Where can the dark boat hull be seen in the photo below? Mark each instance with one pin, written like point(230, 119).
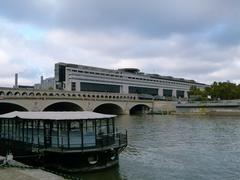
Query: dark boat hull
point(61, 160)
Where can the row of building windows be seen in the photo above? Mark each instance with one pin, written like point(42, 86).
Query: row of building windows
point(142, 90)
point(93, 87)
point(169, 93)
point(131, 77)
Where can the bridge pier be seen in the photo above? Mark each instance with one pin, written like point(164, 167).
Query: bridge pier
point(125, 112)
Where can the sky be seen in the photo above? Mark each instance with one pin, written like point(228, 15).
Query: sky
point(191, 39)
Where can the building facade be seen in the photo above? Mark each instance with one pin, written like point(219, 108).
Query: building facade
point(46, 84)
point(73, 77)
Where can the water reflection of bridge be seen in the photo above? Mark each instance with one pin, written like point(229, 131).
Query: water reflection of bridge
point(41, 100)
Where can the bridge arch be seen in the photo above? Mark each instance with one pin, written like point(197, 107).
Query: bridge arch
point(31, 94)
point(109, 108)
point(9, 93)
point(24, 94)
point(63, 106)
point(38, 94)
point(17, 93)
point(2, 93)
point(6, 107)
point(139, 109)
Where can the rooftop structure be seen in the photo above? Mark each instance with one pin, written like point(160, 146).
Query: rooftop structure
point(50, 115)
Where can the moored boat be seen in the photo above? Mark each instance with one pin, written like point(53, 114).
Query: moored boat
point(66, 141)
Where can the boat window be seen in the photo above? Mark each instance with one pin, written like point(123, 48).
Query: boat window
point(101, 127)
point(110, 125)
point(89, 133)
point(88, 127)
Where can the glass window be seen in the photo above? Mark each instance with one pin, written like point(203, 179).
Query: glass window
point(73, 86)
point(94, 87)
point(180, 94)
point(167, 92)
point(142, 90)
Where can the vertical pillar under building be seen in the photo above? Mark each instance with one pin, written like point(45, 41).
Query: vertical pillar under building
point(174, 93)
point(160, 91)
point(124, 89)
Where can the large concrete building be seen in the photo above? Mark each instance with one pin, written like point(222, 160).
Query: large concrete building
point(73, 77)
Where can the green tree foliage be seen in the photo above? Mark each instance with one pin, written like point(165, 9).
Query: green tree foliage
point(196, 94)
point(218, 90)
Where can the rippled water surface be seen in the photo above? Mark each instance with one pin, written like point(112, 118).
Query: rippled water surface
point(172, 147)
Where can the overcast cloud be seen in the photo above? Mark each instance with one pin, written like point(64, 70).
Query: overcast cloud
point(193, 39)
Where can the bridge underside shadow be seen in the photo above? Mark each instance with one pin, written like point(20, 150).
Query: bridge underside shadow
point(9, 107)
point(109, 109)
point(63, 106)
point(139, 109)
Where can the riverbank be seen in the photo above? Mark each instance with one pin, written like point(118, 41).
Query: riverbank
point(225, 112)
point(26, 174)
point(11, 169)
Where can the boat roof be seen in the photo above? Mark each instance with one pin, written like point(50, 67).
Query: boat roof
point(57, 115)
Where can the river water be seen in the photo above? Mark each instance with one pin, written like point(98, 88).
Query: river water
point(177, 148)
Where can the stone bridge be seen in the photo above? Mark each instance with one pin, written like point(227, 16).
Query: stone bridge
point(12, 99)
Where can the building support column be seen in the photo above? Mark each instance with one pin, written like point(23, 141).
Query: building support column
point(125, 89)
point(174, 93)
point(160, 91)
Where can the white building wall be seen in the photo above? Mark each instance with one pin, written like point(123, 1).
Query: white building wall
point(124, 79)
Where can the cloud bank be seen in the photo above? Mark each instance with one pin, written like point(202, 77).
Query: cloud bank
point(194, 39)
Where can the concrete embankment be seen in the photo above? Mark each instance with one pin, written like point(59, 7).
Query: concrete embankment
point(222, 108)
point(189, 113)
point(209, 113)
point(11, 169)
point(224, 113)
point(26, 174)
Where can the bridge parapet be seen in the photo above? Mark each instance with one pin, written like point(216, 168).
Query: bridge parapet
point(15, 93)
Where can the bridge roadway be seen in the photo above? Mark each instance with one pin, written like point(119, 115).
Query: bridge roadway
point(51, 100)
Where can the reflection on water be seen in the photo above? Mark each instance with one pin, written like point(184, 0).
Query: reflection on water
point(172, 147)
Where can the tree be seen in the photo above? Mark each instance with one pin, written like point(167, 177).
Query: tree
point(218, 90)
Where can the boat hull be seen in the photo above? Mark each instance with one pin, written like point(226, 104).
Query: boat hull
point(69, 161)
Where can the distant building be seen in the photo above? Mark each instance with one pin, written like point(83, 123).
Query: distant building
point(73, 77)
point(16, 81)
point(37, 86)
point(25, 87)
point(46, 84)
point(16, 85)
